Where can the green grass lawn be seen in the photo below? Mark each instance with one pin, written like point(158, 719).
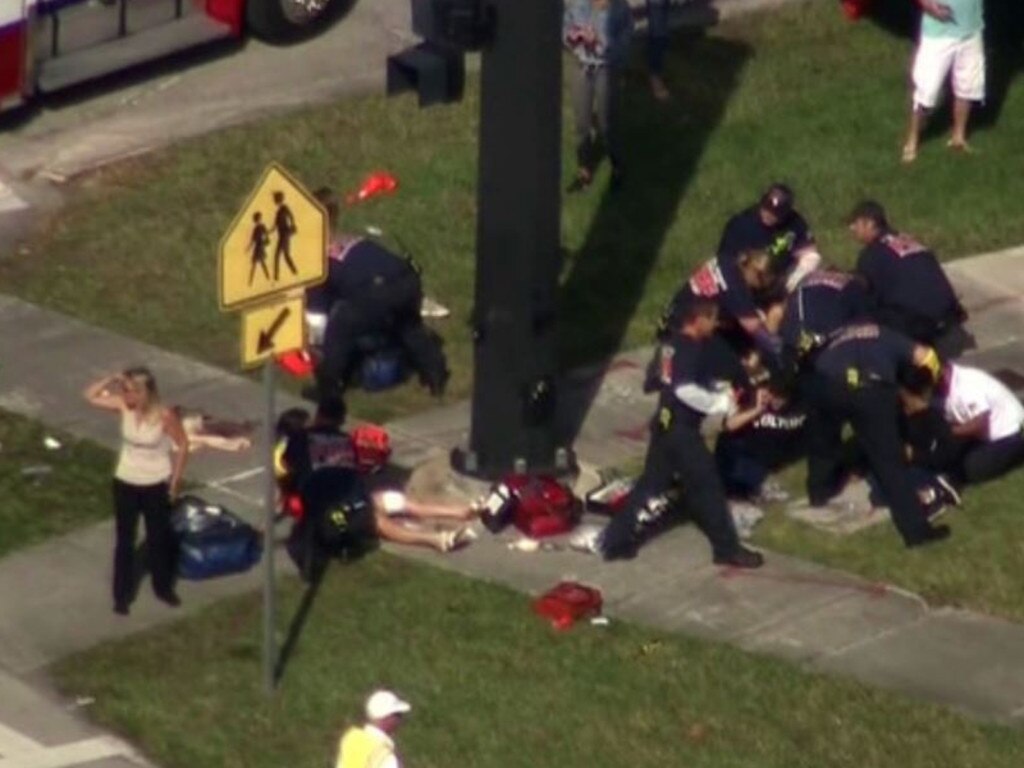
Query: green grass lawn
point(799, 94)
point(981, 567)
point(493, 685)
point(74, 490)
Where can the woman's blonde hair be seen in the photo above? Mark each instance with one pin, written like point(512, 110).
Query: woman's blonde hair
point(144, 378)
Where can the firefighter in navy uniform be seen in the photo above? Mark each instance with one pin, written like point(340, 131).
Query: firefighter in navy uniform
point(730, 284)
point(369, 290)
point(910, 291)
point(677, 456)
point(823, 302)
point(773, 225)
point(854, 380)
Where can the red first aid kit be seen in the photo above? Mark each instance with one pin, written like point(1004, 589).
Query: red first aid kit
point(538, 506)
point(297, 363)
point(568, 602)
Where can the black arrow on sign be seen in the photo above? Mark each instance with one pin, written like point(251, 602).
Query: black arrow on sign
point(266, 340)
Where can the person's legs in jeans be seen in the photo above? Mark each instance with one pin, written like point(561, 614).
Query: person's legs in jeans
point(605, 109)
point(126, 523)
point(657, 45)
point(583, 121)
point(741, 473)
point(156, 509)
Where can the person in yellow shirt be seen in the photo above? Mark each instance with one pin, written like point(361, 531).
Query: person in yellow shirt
point(371, 745)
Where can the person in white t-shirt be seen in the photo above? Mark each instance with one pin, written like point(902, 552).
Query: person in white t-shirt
point(981, 437)
point(983, 410)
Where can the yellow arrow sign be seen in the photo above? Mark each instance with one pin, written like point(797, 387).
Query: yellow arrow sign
point(273, 329)
point(277, 242)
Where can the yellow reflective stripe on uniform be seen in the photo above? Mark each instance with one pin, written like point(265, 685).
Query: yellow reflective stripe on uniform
point(665, 418)
point(280, 470)
point(932, 363)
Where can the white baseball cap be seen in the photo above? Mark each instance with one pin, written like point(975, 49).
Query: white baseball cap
point(383, 704)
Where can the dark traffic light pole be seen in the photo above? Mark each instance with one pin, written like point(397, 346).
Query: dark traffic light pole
point(518, 238)
point(519, 209)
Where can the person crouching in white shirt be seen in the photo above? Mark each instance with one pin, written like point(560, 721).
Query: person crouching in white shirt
point(983, 410)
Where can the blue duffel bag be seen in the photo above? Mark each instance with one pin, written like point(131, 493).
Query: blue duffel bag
point(213, 541)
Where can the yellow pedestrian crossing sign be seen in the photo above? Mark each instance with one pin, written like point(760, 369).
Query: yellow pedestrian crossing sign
point(272, 329)
point(277, 242)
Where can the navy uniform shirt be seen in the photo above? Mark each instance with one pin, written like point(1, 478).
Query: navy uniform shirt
point(317, 448)
point(823, 302)
point(679, 364)
point(863, 354)
point(904, 274)
point(745, 230)
point(774, 437)
point(353, 266)
point(719, 280)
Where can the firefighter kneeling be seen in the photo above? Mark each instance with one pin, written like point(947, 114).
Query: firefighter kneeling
point(371, 299)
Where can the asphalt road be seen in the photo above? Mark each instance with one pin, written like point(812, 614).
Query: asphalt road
point(226, 84)
point(200, 91)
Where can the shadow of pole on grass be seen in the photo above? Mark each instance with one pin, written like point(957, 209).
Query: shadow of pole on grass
point(313, 567)
point(661, 146)
point(1004, 46)
point(298, 622)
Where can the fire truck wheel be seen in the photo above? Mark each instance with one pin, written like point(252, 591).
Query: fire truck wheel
point(282, 21)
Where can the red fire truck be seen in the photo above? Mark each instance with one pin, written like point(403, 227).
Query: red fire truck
point(47, 45)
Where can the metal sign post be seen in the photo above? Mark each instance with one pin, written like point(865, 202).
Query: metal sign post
point(275, 247)
point(269, 593)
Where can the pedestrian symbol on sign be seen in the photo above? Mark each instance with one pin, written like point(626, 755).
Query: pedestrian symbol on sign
point(276, 244)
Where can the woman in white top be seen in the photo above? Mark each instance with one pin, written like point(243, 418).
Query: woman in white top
point(154, 449)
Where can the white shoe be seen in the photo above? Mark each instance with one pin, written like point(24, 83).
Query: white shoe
point(431, 308)
point(587, 539)
point(772, 493)
point(460, 537)
point(745, 517)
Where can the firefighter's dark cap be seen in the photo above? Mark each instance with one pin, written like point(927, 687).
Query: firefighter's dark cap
point(869, 210)
point(778, 200)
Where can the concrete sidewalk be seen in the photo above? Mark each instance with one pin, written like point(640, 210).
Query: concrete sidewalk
point(791, 609)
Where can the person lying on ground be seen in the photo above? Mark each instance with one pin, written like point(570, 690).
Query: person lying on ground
point(204, 431)
point(318, 467)
point(760, 441)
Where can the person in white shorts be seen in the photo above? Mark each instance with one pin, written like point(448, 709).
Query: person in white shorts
point(950, 43)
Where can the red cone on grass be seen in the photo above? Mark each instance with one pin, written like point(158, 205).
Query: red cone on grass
point(376, 184)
